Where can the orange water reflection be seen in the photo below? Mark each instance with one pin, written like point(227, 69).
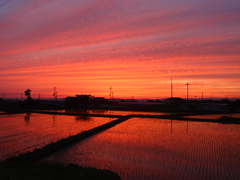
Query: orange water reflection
point(108, 112)
point(25, 132)
point(214, 116)
point(155, 148)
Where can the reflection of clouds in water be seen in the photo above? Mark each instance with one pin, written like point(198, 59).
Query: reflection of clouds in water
point(99, 111)
point(27, 131)
point(213, 116)
point(54, 120)
point(143, 148)
point(80, 111)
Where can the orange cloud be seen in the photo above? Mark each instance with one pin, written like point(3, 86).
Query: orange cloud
point(135, 47)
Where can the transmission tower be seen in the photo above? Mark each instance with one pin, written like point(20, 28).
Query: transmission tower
point(187, 89)
point(111, 93)
point(55, 93)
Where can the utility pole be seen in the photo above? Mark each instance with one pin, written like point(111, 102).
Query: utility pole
point(202, 96)
point(171, 89)
point(110, 94)
point(187, 89)
point(55, 93)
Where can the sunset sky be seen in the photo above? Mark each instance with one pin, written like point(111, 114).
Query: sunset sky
point(134, 46)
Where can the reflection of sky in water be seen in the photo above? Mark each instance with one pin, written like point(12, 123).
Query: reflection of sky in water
point(25, 132)
point(143, 148)
point(109, 112)
point(213, 116)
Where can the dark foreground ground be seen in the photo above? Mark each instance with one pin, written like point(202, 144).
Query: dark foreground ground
point(46, 171)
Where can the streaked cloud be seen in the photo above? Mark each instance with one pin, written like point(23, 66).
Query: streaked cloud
point(130, 45)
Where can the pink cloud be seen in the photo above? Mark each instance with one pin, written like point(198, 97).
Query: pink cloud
point(122, 41)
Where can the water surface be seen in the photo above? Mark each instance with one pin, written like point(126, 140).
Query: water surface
point(24, 132)
point(142, 148)
point(108, 112)
point(213, 116)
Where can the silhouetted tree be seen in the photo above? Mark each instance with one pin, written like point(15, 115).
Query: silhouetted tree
point(28, 94)
point(84, 99)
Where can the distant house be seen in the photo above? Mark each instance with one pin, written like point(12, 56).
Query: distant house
point(81, 100)
point(99, 100)
point(174, 99)
point(216, 107)
point(71, 101)
point(177, 103)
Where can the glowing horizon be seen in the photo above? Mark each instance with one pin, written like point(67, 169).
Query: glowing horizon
point(135, 47)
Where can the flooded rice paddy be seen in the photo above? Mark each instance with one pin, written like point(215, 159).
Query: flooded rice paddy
point(108, 112)
point(139, 148)
point(24, 132)
point(213, 116)
point(143, 148)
